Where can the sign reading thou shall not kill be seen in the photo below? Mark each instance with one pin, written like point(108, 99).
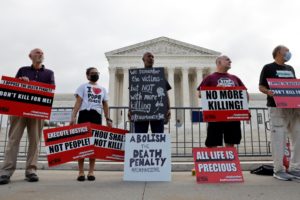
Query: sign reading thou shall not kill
point(147, 94)
point(147, 157)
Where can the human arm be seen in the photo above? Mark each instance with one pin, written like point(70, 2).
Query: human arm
point(106, 113)
point(76, 108)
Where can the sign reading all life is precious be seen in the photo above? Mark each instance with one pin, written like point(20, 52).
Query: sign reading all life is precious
point(147, 94)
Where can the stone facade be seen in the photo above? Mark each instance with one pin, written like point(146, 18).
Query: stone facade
point(185, 66)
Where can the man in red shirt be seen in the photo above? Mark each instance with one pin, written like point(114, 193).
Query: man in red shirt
point(216, 131)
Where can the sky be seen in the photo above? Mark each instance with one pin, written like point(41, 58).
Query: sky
point(75, 34)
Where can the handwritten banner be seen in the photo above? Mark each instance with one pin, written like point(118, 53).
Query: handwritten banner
point(68, 143)
point(147, 94)
point(286, 92)
point(147, 157)
point(217, 165)
point(26, 99)
point(109, 143)
point(224, 104)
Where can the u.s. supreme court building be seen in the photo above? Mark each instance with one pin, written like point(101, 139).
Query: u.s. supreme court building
point(185, 66)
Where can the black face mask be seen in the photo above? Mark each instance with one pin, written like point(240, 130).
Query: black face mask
point(94, 77)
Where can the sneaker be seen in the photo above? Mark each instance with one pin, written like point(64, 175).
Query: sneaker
point(283, 176)
point(295, 174)
point(32, 177)
point(4, 179)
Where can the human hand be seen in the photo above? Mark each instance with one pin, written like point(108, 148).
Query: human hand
point(24, 78)
point(73, 121)
point(270, 93)
point(109, 122)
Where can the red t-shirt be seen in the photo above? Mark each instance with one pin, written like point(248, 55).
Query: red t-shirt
point(221, 79)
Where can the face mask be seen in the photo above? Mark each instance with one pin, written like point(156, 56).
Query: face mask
point(287, 56)
point(94, 77)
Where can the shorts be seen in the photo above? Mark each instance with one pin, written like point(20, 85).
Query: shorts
point(230, 131)
point(91, 116)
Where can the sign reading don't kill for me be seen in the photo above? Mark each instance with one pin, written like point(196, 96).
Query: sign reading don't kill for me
point(147, 94)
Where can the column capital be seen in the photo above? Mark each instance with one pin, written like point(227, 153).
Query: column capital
point(185, 70)
point(199, 70)
point(171, 69)
point(125, 70)
point(112, 69)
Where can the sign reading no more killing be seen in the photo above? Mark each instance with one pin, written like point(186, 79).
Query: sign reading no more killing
point(224, 104)
point(147, 94)
point(26, 99)
point(217, 165)
point(286, 92)
point(147, 157)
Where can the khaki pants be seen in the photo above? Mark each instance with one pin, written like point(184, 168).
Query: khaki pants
point(34, 130)
point(283, 123)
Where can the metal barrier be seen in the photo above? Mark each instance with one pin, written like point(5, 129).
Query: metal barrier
point(185, 135)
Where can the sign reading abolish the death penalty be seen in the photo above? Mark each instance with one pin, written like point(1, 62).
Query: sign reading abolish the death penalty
point(224, 104)
point(217, 165)
point(27, 99)
point(147, 157)
point(286, 92)
point(68, 143)
point(147, 94)
point(109, 143)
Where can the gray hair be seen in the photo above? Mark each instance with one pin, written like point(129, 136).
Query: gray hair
point(219, 58)
point(276, 50)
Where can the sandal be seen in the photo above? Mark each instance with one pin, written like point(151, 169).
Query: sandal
point(81, 178)
point(91, 177)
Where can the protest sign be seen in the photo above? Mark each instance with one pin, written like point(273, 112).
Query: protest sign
point(147, 94)
point(147, 157)
point(68, 143)
point(224, 104)
point(109, 143)
point(286, 92)
point(27, 99)
point(217, 165)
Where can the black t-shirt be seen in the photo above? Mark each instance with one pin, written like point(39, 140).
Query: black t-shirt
point(273, 70)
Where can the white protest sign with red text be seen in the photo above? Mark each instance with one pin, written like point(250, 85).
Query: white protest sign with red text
point(109, 143)
point(286, 92)
point(217, 165)
point(68, 143)
point(224, 104)
point(27, 99)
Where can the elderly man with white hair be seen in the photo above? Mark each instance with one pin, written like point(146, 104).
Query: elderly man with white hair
point(35, 72)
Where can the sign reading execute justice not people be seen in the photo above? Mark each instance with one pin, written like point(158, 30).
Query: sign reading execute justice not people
point(68, 143)
point(27, 99)
point(109, 143)
point(224, 104)
point(217, 165)
point(147, 157)
point(147, 94)
point(286, 92)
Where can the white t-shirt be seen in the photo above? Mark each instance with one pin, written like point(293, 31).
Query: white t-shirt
point(92, 97)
